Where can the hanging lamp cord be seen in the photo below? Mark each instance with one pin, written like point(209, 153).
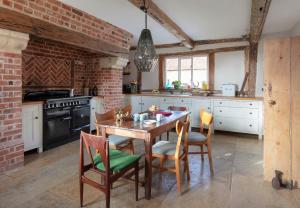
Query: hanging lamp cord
point(145, 9)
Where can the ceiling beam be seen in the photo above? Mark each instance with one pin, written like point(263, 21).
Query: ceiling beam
point(157, 14)
point(16, 21)
point(202, 42)
point(259, 13)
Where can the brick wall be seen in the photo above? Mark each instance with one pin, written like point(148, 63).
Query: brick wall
point(47, 65)
point(109, 84)
point(11, 144)
point(63, 15)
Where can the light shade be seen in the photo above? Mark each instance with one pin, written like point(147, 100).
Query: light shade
point(145, 57)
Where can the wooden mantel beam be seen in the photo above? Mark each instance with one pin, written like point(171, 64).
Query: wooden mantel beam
point(16, 21)
point(156, 13)
point(259, 13)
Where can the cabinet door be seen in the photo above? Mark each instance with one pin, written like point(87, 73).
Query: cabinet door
point(135, 102)
point(197, 105)
point(147, 101)
point(96, 106)
point(277, 148)
point(31, 127)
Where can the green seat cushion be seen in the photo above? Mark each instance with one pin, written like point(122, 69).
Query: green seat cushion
point(117, 140)
point(119, 160)
point(165, 148)
point(196, 137)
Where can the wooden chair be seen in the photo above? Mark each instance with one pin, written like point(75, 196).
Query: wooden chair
point(165, 150)
point(202, 140)
point(108, 163)
point(174, 108)
point(116, 142)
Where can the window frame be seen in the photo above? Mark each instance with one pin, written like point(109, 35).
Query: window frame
point(163, 69)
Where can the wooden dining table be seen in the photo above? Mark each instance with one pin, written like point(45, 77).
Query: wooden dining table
point(148, 133)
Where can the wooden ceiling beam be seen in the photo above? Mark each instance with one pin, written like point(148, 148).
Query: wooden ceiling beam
point(16, 21)
point(157, 14)
point(202, 42)
point(259, 12)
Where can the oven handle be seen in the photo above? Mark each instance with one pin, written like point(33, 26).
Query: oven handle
point(67, 118)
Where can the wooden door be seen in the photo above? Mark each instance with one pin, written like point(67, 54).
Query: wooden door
point(295, 83)
point(30, 127)
point(277, 117)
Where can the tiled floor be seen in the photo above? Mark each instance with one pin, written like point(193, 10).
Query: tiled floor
point(50, 179)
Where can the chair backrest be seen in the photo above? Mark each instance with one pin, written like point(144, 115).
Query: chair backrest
point(99, 144)
point(182, 130)
point(177, 108)
point(109, 115)
point(126, 109)
point(206, 120)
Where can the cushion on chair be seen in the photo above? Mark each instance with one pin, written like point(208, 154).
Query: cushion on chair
point(117, 140)
point(119, 160)
point(196, 137)
point(165, 148)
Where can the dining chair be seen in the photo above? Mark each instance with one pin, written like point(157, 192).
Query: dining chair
point(201, 139)
point(174, 108)
point(116, 142)
point(165, 150)
point(110, 164)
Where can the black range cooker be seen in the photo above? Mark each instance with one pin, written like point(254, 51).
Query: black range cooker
point(63, 116)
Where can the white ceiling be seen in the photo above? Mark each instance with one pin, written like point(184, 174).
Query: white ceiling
point(200, 19)
point(282, 16)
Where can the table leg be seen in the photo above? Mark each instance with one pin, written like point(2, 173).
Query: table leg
point(148, 167)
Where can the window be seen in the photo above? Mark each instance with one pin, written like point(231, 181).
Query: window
point(190, 70)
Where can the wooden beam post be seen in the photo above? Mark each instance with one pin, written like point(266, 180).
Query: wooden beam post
point(259, 13)
point(156, 13)
point(211, 71)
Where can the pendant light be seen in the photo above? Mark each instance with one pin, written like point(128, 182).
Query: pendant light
point(145, 57)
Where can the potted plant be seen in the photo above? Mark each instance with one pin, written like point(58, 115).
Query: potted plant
point(176, 84)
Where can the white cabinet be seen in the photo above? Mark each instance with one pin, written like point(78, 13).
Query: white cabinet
point(165, 102)
point(97, 105)
point(136, 103)
point(238, 116)
point(147, 101)
point(32, 126)
point(197, 105)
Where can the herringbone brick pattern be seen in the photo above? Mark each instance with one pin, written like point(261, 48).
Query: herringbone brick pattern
point(45, 71)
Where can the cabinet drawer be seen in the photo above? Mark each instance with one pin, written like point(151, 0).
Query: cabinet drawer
point(236, 125)
point(176, 100)
point(235, 104)
point(247, 113)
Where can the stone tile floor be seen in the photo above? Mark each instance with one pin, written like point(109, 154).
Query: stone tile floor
point(50, 179)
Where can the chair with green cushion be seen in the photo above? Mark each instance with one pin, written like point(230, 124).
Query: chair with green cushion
point(111, 164)
point(165, 150)
point(201, 140)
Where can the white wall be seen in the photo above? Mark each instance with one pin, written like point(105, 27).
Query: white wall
point(235, 63)
point(296, 30)
point(229, 68)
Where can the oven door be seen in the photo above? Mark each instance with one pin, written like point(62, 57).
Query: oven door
point(80, 118)
point(57, 125)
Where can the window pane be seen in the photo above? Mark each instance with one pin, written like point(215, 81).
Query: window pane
point(200, 76)
point(171, 76)
point(186, 63)
point(186, 76)
point(200, 62)
point(172, 63)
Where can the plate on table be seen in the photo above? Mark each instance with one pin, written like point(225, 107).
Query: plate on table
point(149, 122)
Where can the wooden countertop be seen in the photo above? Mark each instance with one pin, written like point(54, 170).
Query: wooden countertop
point(197, 96)
point(32, 102)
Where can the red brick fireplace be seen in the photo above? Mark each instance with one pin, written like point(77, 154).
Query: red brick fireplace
point(40, 63)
